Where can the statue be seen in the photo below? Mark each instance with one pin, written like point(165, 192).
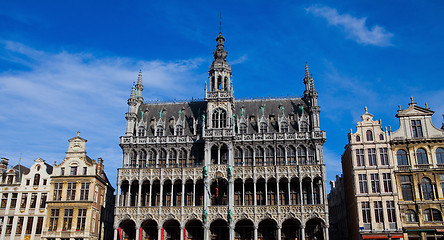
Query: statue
point(205, 171)
point(229, 171)
point(230, 215)
point(204, 215)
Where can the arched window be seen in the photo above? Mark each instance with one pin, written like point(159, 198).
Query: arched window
point(280, 155)
point(270, 156)
point(432, 215)
point(223, 154)
point(249, 156)
point(440, 155)
point(284, 127)
point(142, 158)
point(133, 159)
point(162, 157)
point(225, 84)
point(263, 127)
point(182, 157)
point(36, 179)
point(402, 157)
point(152, 158)
point(242, 128)
point(302, 155)
point(259, 154)
point(172, 157)
point(369, 135)
point(427, 190)
point(219, 118)
point(410, 216)
point(179, 130)
point(219, 82)
point(238, 156)
point(421, 156)
point(159, 131)
point(358, 138)
point(303, 126)
point(311, 156)
point(291, 155)
point(381, 137)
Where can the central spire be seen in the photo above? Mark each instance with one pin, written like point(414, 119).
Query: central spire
point(220, 55)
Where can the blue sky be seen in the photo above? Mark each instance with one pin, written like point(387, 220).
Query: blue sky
point(68, 66)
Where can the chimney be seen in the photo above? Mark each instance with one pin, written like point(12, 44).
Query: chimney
point(3, 164)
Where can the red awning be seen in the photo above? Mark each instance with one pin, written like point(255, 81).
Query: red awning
point(381, 236)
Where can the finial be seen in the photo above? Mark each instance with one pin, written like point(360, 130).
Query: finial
point(411, 99)
point(78, 133)
point(220, 22)
point(390, 128)
point(365, 109)
point(307, 74)
point(426, 106)
point(399, 106)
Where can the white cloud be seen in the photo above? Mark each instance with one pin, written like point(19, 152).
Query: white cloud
point(355, 27)
point(56, 94)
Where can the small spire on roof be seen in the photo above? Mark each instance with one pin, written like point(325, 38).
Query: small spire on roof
point(139, 79)
point(427, 107)
point(78, 133)
point(365, 109)
point(307, 74)
point(411, 99)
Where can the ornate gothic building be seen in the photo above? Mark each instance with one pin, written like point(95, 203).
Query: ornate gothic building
point(222, 168)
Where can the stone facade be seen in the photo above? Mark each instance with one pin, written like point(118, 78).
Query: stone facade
point(80, 203)
point(418, 147)
point(394, 181)
point(222, 168)
point(23, 196)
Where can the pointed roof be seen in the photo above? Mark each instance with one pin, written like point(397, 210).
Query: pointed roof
point(414, 110)
point(220, 55)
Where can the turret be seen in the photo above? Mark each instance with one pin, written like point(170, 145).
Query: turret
point(219, 93)
point(311, 98)
point(134, 102)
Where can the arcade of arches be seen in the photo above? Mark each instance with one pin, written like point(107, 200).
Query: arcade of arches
point(220, 229)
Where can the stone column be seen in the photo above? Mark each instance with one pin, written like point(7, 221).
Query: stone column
point(279, 232)
point(172, 194)
point(288, 192)
point(139, 199)
point(159, 232)
point(231, 231)
point(182, 200)
point(311, 189)
point(277, 192)
point(302, 232)
point(181, 233)
point(206, 231)
point(266, 192)
point(161, 194)
point(118, 203)
point(301, 200)
point(243, 192)
point(115, 233)
point(194, 193)
point(255, 231)
point(150, 203)
point(326, 233)
point(128, 199)
point(254, 194)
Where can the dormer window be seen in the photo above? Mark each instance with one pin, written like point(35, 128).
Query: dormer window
point(159, 131)
point(381, 137)
point(284, 127)
point(303, 127)
point(263, 127)
point(416, 128)
point(179, 130)
point(141, 132)
point(243, 128)
point(358, 138)
point(369, 135)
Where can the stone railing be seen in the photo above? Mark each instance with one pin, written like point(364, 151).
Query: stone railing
point(159, 139)
point(218, 132)
point(280, 136)
point(262, 171)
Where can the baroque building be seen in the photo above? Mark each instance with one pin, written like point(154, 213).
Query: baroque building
point(418, 147)
point(221, 168)
point(23, 200)
point(80, 202)
point(370, 189)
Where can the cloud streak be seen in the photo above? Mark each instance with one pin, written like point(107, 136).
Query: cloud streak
point(354, 27)
point(57, 94)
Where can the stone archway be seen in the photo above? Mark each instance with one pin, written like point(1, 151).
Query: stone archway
point(194, 230)
point(149, 230)
point(127, 229)
point(171, 230)
point(314, 229)
point(244, 230)
point(291, 229)
point(219, 230)
point(267, 230)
